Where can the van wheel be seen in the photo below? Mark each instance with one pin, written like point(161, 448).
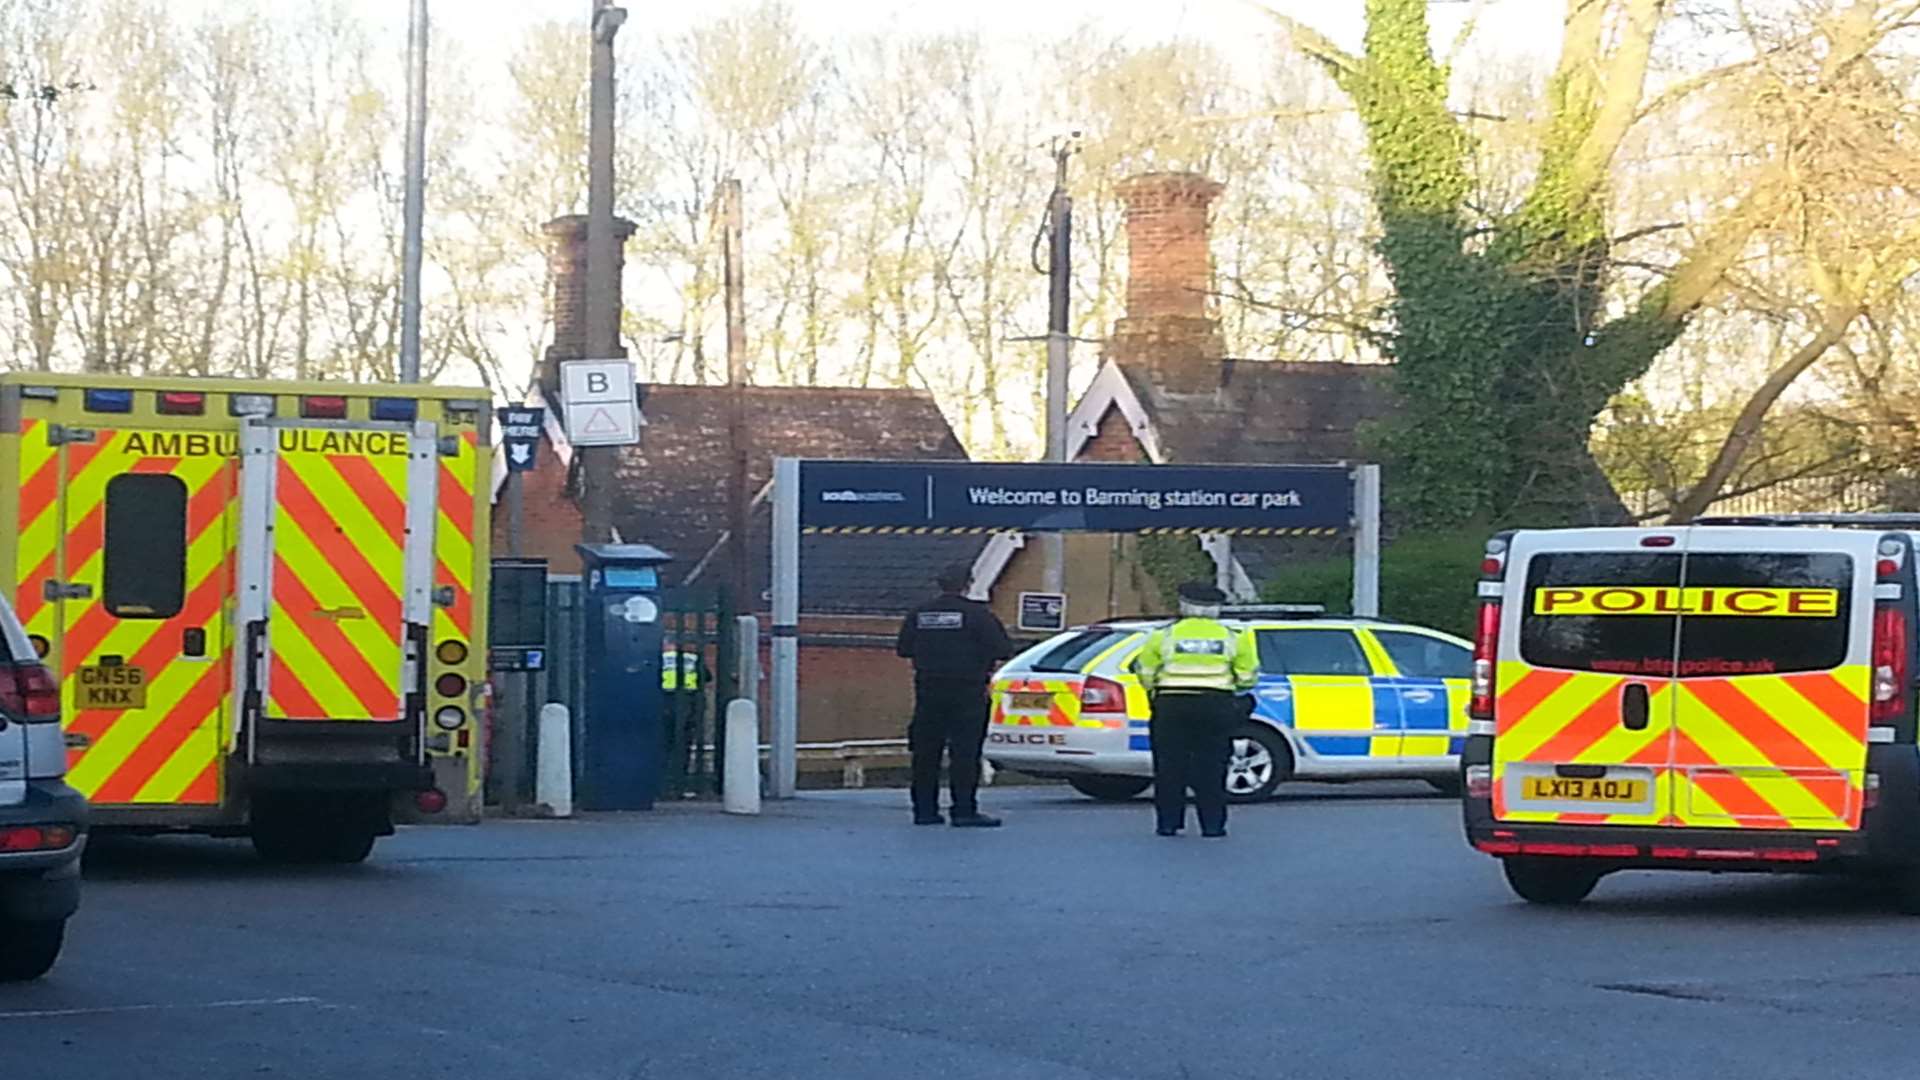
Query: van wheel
point(1110, 788)
point(1258, 762)
point(1556, 883)
point(28, 949)
point(340, 845)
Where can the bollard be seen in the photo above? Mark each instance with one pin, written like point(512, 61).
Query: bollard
point(554, 783)
point(741, 782)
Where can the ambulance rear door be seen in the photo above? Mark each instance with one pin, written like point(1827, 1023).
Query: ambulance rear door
point(143, 574)
point(1584, 685)
point(336, 575)
point(1774, 678)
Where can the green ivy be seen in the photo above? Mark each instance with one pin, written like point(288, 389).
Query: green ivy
point(1170, 562)
point(1502, 362)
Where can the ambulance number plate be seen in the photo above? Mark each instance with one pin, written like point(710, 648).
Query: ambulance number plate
point(1030, 701)
point(1571, 789)
point(110, 686)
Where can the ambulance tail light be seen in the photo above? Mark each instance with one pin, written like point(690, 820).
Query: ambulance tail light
point(1103, 696)
point(29, 692)
point(1870, 792)
point(1891, 672)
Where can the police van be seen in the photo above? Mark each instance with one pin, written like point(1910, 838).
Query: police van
point(1337, 699)
point(1733, 695)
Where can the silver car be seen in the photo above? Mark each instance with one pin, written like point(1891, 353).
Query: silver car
point(43, 822)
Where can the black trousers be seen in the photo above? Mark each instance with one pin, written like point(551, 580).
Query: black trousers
point(1191, 743)
point(949, 715)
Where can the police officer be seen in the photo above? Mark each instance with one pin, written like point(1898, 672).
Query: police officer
point(683, 682)
point(954, 644)
point(1192, 671)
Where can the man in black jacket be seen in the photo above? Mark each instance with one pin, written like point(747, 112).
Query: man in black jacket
point(954, 644)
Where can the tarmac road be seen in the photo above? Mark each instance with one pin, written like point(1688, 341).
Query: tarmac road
point(1336, 933)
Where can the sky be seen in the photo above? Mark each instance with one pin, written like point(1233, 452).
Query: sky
point(1509, 29)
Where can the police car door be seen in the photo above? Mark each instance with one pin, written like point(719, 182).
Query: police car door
point(1321, 677)
point(1585, 681)
point(1774, 678)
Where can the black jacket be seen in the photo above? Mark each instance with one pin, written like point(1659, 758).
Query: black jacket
point(953, 637)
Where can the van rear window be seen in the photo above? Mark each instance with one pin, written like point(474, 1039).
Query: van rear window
point(1773, 613)
point(1747, 613)
point(1577, 612)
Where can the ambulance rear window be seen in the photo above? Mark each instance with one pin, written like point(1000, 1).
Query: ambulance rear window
point(1580, 612)
point(144, 558)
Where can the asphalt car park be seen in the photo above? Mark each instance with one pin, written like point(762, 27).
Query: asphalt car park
point(1339, 932)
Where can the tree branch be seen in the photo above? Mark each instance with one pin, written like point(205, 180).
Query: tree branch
point(1746, 427)
point(1312, 42)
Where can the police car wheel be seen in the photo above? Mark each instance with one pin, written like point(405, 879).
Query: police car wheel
point(1258, 761)
point(1555, 882)
point(1110, 788)
point(28, 949)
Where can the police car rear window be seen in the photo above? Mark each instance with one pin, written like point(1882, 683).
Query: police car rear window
point(1074, 652)
point(1738, 614)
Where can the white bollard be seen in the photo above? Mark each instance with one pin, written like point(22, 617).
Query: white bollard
point(742, 780)
point(553, 787)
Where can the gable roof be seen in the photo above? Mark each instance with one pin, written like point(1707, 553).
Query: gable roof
point(671, 489)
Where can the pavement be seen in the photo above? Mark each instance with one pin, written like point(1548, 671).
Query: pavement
point(1338, 932)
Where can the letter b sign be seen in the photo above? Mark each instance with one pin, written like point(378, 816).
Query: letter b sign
point(597, 382)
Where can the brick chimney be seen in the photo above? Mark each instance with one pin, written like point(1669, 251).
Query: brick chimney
point(567, 266)
point(1166, 328)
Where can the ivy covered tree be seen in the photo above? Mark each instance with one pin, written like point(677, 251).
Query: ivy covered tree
point(1512, 328)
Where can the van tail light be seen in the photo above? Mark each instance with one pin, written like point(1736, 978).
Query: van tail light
point(1486, 648)
point(1104, 696)
point(29, 691)
point(1479, 781)
point(1891, 673)
point(1870, 795)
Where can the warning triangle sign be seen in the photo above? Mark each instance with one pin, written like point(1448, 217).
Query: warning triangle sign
point(601, 422)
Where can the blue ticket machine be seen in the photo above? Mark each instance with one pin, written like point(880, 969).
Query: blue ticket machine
point(623, 744)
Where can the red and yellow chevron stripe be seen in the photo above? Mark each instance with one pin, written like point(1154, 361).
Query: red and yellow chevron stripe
point(1063, 709)
point(167, 752)
point(454, 539)
point(339, 566)
point(1768, 751)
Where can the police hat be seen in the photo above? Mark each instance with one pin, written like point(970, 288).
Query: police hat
point(1201, 592)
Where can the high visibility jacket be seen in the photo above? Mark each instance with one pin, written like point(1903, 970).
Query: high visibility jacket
point(680, 671)
point(1198, 654)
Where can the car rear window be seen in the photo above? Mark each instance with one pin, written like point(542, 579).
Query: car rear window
point(1073, 652)
point(1742, 613)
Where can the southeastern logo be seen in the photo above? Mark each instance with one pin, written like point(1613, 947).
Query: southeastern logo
point(1672, 600)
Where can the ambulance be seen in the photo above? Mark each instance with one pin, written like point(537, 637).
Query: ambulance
point(1737, 695)
point(264, 601)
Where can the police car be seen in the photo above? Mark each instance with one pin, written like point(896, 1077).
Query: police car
point(1338, 699)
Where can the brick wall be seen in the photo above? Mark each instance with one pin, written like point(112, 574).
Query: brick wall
point(550, 521)
point(567, 271)
point(1113, 442)
point(1167, 327)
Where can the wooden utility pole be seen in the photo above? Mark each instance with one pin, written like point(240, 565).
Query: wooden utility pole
point(733, 232)
point(603, 257)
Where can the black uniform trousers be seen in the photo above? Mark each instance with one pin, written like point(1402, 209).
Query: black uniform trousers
point(949, 715)
point(1191, 738)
